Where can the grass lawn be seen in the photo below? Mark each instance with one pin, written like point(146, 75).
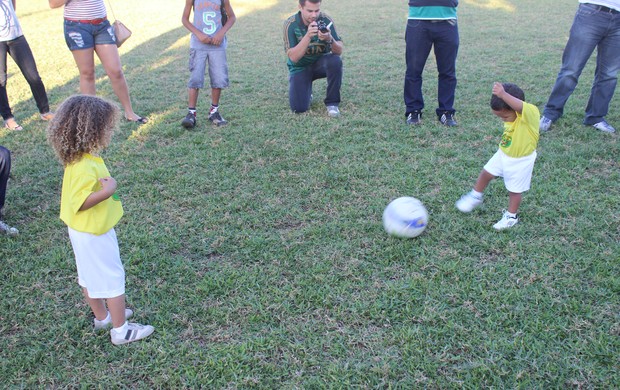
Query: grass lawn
point(257, 250)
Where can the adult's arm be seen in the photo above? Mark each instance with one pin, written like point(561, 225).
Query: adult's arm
point(57, 3)
point(296, 52)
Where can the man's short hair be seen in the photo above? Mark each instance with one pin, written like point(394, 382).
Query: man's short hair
point(498, 104)
point(303, 2)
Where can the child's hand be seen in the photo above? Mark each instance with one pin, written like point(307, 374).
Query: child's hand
point(498, 89)
point(108, 184)
point(204, 38)
point(217, 38)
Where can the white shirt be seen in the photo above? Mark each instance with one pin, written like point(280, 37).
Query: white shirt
point(9, 25)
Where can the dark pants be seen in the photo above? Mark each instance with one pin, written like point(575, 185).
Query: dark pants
point(20, 51)
point(5, 169)
point(443, 37)
point(300, 84)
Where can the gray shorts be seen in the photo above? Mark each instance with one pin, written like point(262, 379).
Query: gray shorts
point(218, 68)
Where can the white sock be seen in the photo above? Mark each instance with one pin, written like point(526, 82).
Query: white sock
point(106, 320)
point(511, 215)
point(121, 329)
point(476, 194)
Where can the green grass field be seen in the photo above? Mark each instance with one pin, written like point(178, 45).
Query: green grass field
point(257, 250)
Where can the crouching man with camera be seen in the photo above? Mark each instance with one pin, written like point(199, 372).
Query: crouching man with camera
point(313, 48)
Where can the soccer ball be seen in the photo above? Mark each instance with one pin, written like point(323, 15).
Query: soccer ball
point(405, 217)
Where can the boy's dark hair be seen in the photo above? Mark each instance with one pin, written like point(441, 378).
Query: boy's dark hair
point(303, 2)
point(498, 104)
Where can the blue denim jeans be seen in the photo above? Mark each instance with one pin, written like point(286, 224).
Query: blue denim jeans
point(300, 84)
point(420, 37)
point(20, 51)
point(591, 29)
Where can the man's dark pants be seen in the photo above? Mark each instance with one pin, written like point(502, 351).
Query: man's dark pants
point(300, 84)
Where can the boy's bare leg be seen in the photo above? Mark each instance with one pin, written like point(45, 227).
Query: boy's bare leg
point(483, 181)
point(192, 97)
point(514, 200)
point(215, 95)
point(116, 306)
point(97, 305)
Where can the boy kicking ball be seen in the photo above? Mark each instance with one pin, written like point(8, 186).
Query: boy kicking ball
point(514, 160)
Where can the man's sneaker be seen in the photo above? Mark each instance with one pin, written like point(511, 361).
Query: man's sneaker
point(9, 230)
point(333, 111)
point(414, 117)
point(107, 324)
point(133, 333)
point(545, 124)
point(604, 127)
point(217, 119)
point(468, 202)
point(189, 121)
point(447, 119)
point(506, 221)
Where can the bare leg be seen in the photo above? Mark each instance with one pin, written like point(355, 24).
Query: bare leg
point(117, 310)
point(192, 97)
point(483, 181)
point(96, 305)
point(514, 200)
point(85, 61)
point(108, 54)
point(215, 95)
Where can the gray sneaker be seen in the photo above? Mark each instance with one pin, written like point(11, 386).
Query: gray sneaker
point(217, 119)
point(604, 127)
point(9, 230)
point(545, 124)
point(333, 111)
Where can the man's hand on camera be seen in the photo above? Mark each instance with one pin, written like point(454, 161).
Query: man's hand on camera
point(313, 30)
point(326, 36)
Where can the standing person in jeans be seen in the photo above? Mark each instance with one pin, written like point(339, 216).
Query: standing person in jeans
point(313, 48)
point(13, 43)
point(596, 25)
point(431, 23)
point(88, 31)
point(5, 170)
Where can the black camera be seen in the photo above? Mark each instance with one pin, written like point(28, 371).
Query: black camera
point(321, 26)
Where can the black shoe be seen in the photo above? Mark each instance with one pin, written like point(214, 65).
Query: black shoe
point(189, 121)
point(217, 119)
point(447, 119)
point(414, 117)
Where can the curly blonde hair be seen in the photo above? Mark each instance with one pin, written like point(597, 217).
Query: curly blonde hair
point(82, 124)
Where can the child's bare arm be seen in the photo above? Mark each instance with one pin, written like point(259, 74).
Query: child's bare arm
point(108, 189)
point(189, 5)
point(513, 102)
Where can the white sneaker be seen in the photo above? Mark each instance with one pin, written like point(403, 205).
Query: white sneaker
point(506, 221)
point(468, 202)
point(545, 124)
point(604, 127)
point(133, 333)
point(106, 324)
point(333, 111)
point(9, 230)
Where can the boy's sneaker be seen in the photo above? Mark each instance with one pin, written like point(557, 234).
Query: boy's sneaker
point(9, 230)
point(414, 117)
point(133, 333)
point(604, 127)
point(189, 121)
point(107, 324)
point(506, 221)
point(447, 119)
point(545, 124)
point(217, 119)
point(468, 202)
point(333, 111)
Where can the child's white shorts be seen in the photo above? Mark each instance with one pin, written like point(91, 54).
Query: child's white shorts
point(517, 172)
point(99, 265)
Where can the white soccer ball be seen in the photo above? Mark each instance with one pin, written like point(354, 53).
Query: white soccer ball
point(405, 217)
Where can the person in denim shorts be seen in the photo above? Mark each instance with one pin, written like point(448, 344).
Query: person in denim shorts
point(88, 31)
point(212, 20)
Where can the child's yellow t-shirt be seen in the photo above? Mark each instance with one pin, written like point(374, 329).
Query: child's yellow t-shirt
point(520, 137)
point(81, 179)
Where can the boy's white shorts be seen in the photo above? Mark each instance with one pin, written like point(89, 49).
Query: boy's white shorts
point(517, 172)
point(98, 262)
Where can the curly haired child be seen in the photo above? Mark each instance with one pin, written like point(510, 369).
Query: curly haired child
point(514, 160)
point(90, 208)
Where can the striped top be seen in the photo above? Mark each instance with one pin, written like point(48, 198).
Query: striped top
point(84, 9)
